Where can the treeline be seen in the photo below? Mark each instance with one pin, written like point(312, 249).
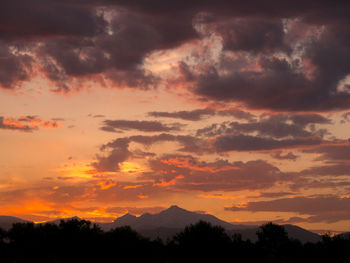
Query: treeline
point(82, 241)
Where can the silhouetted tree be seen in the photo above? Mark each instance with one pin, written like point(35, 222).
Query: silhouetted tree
point(81, 241)
point(201, 242)
point(273, 244)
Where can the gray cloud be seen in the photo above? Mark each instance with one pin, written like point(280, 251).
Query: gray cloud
point(14, 67)
point(117, 155)
point(327, 209)
point(188, 173)
point(194, 115)
point(27, 123)
point(277, 126)
point(287, 156)
point(144, 126)
point(135, 210)
point(197, 115)
point(252, 143)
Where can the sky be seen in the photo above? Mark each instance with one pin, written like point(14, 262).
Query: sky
point(240, 109)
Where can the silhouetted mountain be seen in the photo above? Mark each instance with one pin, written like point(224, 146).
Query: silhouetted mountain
point(344, 235)
point(6, 222)
point(172, 218)
point(293, 231)
point(58, 221)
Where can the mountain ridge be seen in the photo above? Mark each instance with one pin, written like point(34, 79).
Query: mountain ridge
point(174, 217)
point(173, 220)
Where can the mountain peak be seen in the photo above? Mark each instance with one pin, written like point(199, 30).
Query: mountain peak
point(126, 218)
point(175, 207)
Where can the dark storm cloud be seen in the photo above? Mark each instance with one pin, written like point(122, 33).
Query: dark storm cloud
point(84, 43)
point(321, 208)
point(14, 67)
point(76, 40)
point(144, 126)
point(47, 18)
point(264, 89)
point(252, 35)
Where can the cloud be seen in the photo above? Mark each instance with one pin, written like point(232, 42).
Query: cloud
point(119, 153)
point(144, 126)
point(287, 156)
point(194, 115)
point(252, 35)
point(327, 209)
point(118, 149)
point(346, 117)
point(269, 132)
point(14, 67)
point(252, 143)
point(338, 169)
point(284, 55)
point(188, 173)
point(277, 126)
point(332, 153)
point(312, 81)
point(41, 18)
point(135, 210)
point(28, 124)
point(238, 114)
point(275, 194)
point(199, 114)
point(93, 41)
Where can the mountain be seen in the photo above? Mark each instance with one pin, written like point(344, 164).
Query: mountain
point(58, 221)
point(293, 231)
point(6, 222)
point(301, 234)
point(172, 218)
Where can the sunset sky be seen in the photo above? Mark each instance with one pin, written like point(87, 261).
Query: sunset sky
point(240, 109)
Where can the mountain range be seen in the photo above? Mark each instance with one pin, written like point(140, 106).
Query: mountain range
point(173, 220)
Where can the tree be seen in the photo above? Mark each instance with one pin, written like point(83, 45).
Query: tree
point(273, 243)
point(202, 242)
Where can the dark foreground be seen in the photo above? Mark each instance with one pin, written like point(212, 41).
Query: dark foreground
point(81, 241)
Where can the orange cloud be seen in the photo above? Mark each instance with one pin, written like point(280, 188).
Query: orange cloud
point(186, 163)
point(221, 196)
point(171, 182)
point(28, 123)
